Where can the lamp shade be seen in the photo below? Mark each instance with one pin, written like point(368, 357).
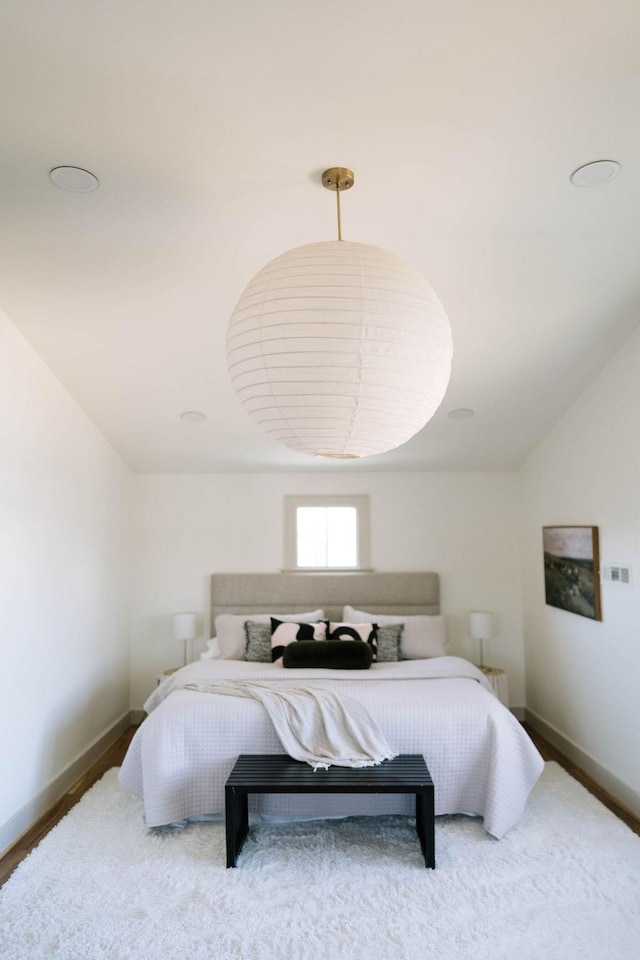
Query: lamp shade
point(480, 626)
point(184, 626)
point(339, 349)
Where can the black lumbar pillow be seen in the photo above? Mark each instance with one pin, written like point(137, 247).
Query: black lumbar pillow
point(330, 654)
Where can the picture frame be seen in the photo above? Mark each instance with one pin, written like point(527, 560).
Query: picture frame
point(572, 569)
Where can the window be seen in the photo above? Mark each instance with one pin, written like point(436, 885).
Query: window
point(327, 533)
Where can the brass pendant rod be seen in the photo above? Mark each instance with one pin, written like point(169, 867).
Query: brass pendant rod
point(338, 178)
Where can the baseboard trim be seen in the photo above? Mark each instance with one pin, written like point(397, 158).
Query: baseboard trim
point(622, 792)
point(27, 815)
point(136, 717)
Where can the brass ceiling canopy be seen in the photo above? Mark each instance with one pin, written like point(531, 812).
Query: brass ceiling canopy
point(338, 178)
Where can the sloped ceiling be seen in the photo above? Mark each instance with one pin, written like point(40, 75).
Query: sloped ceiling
point(208, 125)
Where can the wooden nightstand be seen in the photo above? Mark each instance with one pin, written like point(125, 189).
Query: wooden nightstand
point(498, 680)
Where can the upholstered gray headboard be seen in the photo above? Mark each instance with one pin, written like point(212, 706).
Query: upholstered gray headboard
point(401, 593)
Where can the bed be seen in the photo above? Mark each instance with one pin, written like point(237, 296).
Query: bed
point(481, 760)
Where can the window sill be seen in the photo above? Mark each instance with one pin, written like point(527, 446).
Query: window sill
point(326, 570)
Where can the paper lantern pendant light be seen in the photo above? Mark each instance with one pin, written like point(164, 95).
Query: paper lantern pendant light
point(339, 349)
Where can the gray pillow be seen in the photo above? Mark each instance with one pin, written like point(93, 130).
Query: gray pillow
point(389, 642)
point(257, 645)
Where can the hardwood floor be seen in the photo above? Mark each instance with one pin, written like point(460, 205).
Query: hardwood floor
point(114, 756)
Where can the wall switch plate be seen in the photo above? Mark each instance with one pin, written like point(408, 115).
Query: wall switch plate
point(618, 573)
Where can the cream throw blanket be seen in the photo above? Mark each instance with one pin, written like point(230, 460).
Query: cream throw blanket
point(313, 725)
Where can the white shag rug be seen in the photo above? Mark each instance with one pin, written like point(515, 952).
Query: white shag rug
point(563, 885)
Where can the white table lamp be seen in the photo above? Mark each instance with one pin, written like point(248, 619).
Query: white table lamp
point(184, 628)
point(481, 629)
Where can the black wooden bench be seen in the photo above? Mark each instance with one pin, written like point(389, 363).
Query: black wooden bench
point(273, 773)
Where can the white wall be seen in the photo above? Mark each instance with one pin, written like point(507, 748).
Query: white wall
point(465, 526)
point(63, 618)
point(582, 675)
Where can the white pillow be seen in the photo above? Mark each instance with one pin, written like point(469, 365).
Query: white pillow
point(422, 637)
point(230, 629)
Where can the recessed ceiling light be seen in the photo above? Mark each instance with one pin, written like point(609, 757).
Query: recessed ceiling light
point(463, 413)
point(596, 173)
point(74, 179)
point(193, 416)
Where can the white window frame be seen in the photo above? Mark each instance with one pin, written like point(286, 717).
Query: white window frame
point(361, 503)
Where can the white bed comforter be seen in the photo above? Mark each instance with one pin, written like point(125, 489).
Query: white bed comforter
point(481, 760)
point(319, 727)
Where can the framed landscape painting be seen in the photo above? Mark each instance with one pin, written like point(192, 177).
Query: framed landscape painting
point(572, 570)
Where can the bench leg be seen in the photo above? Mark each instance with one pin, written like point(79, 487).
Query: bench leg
point(236, 815)
point(425, 827)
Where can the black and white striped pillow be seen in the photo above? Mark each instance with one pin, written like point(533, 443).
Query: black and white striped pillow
point(366, 632)
point(282, 634)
